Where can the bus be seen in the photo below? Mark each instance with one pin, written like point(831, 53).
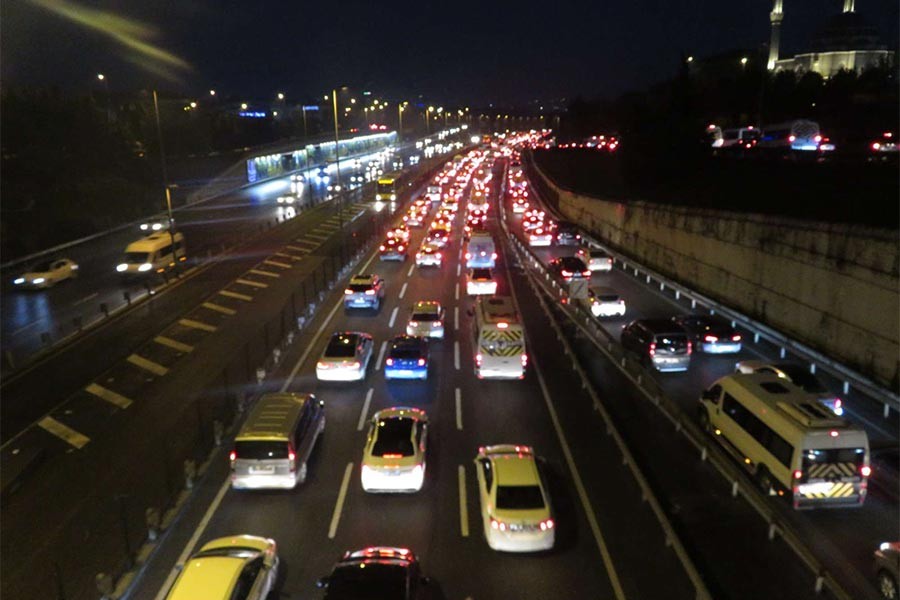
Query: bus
point(387, 187)
point(800, 135)
point(794, 447)
point(499, 339)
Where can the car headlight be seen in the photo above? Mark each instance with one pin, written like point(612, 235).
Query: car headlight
point(38, 280)
point(393, 196)
point(144, 227)
point(145, 267)
point(122, 268)
point(19, 280)
point(157, 226)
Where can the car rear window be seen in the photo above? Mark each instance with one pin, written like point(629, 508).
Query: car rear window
point(342, 347)
point(394, 437)
point(378, 581)
point(608, 297)
point(261, 450)
point(360, 287)
point(425, 316)
point(481, 273)
point(519, 497)
point(672, 341)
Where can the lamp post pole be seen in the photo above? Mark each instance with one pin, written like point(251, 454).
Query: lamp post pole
point(165, 174)
point(337, 167)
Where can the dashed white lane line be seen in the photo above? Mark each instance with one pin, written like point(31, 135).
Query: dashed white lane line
point(463, 505)
point(458, 394)
point(174, 344)
point(456, 318)
point(219, 308)
point(339, 505)
point(394, 315)
point(148, 365)
point(196, 325)
point(64, 432)
point(364, 413)
point(403, 290)
point(458, 269)
point(381, 355)
point(108, 395)
point(456, 355)
point(189, 548)
point(456, 293)
point(411, 267)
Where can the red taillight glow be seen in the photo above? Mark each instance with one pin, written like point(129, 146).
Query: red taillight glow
point(389, 362)
point(548, 524)
point(437, 324)
point(876, 146)
point(478, 360)
point(232, 456)
point(493, 256)
point(524, 360)
point(690, 348)
point(421, 362)
point(566, 273)
point(710, 338)
point(798, 474)
point(586, 273)
point(652, 348)
point(381, 248)
point(792, 138)
point(502, 325)
point(818, 138)
point(833, 433)
point(865, 470)
point(391, 455)
point(468, 255)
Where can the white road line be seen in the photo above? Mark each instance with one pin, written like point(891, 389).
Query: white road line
point(174, 344)
point(365, 410)
point(196, 325)
point(251, 283)
point(458, 269)
point(579, 486)
point(403, 290)
point(458, 409)
point(148, 365)
point(456, 293)
point(381, 355)
point(463, 505)
point(189, 548)
point(86, 299)
point(411, 267)
point(456, 355)
point(456, 318)
point(394, 315)
point(108, 395)
point(339, 505)
point(219, 308)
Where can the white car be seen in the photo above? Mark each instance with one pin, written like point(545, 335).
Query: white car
point(426, 319)
point(540, 236)
point(595, 259)
point(604, 302)
point(47, 274)
point(515, 506)
point(244, 566)
point(285, 200)
point(480, 281)
point(429, 255)
point(394, 457)
point(346, 357)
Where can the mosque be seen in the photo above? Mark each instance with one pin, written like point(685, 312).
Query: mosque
point(845, 41)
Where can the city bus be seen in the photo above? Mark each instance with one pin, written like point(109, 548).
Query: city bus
point(387, 187)
point(499, 339)
point(793, 446)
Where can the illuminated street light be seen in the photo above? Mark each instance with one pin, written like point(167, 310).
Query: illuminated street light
point(101, 76)
point(243, 106)
point(280, 96)
point(744, 61)
point(212, 92)
point(690, 59)
point(193, 105)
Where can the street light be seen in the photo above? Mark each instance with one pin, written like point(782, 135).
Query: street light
point(243, 106)
point(400, 107)
point(165, 174)
point(102, 78)
point(212, 92)
point(280, 96)
point(428, 119)
point(743, 61)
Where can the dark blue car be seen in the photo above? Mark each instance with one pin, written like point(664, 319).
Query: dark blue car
point(407, 358)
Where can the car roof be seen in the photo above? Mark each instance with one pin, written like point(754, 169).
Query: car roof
point(363, 278)
point(207, 577)
point(401, 412)
point(426, 306)
point(515, 469)
point(661, 325)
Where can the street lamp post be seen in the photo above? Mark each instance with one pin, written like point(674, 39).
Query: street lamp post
point(102, 78)
point(303, 108)
point(165, 174)
point(400, 106)
point(337, 168)
point(428, 119)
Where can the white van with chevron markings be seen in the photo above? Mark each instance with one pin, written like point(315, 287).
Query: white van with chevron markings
point(793, 445)
point(499, 338)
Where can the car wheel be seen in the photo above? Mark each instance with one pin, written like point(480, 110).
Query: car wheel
point(764, 480)
point(301, 477)
point(887, 586)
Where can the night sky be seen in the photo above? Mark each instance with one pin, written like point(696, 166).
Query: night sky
point(454, 52)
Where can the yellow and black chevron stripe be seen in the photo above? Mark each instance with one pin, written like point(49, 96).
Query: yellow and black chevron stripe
point(830, 470)
point(501, 335)
point(838, 490)
point(505, 349)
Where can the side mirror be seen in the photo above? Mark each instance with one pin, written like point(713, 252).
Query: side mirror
point(322, 582)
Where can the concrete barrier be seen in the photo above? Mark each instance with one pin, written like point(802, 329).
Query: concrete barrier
point(833, 287)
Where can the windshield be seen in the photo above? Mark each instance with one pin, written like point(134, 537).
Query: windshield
point(519, 497)
point(377, 581)
point(394, 436)
point(137, 257)
point(425, 317)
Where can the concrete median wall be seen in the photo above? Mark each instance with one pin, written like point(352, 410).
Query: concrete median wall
point(833, 287)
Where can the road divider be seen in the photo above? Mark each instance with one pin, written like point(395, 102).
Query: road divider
point(364, 413)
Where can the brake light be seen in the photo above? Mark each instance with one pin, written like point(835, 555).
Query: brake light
point(438, 254)
point(412, 324)
point(548, 524)
point(437, 324)
point(798, 474)
point(690, 348)
point(652, 348)
point(389, 362)
point(524, 360)
point(495, 524)
point(370, 292)
point(468, 255)
point(493, 256)
point(865, 470)
point(348, 291)
point(792, 138)
point(586, 273)
point(502, 325)
point(354, 364)
point(875, 145)
point(478, 360)
point(232, 456)
point(710, 338)
point(392, 455)
point(566, 273)
point(838, 403)
point(818, 138)
point(381, 248)
point(736, 337)
point(421, 362)
point(833, 433)
point(292, 464)
point(322, 365)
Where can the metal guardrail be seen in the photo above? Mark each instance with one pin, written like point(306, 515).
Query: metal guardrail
point(708, 451)
point(849, 378)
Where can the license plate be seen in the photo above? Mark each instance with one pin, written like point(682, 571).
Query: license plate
point(262, 470)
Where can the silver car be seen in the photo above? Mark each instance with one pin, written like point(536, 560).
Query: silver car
point(426, 320)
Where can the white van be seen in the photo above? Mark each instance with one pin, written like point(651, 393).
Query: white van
point(480, 251)
point(155, 253)
point(499, 337)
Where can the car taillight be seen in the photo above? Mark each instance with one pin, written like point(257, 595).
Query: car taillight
point(566, 273)
point(524, 360)
point(710, 338)
point(292, 457)
point(468, 255)
point(652, 348)
point(437, 324)
point(421, 362)
point(478, 359)
point(413, 323)
point(389, 362)
point(865, 470)
point(798, 474)
point(438, 254)
point(818, 138)
point(370, 292)
point(348, 291)
point(736, 337)
point(548, 524)
point(690, 348)
point(838, 403)
point(381, 248)
point(400, 248)
point(321, 365)
point(232, 456)
point(493, 256)
point(586, 273)
point(792, 138)
point(495, 524)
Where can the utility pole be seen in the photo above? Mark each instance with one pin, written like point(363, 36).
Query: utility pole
point(165, 174)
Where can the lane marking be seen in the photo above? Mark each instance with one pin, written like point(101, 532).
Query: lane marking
point(64, 432)
point(403, 290)
point(196, 325)
point(189, 547)
point(456, 293)
point(339, 505)
point(255, 284)
point(243, 297)
point(86, 299)
point(380, 355)
point(579, 486)
point(332, 226)
point(318, 236)
point(219, 308)
point(276, 263)
point(463, 505)
point(174, 344)
point(411, 267)
point(456, 318)
point(305, 241)
point(148, 365)
point(458, 409)
point(364, 413)
point(456, 355)
point(296, 249)
point(290, 256)
point(458, 269)
point(264, 273)
point(108, 395)
point(394, 315)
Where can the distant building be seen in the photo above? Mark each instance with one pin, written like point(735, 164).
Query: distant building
point(845, 41)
